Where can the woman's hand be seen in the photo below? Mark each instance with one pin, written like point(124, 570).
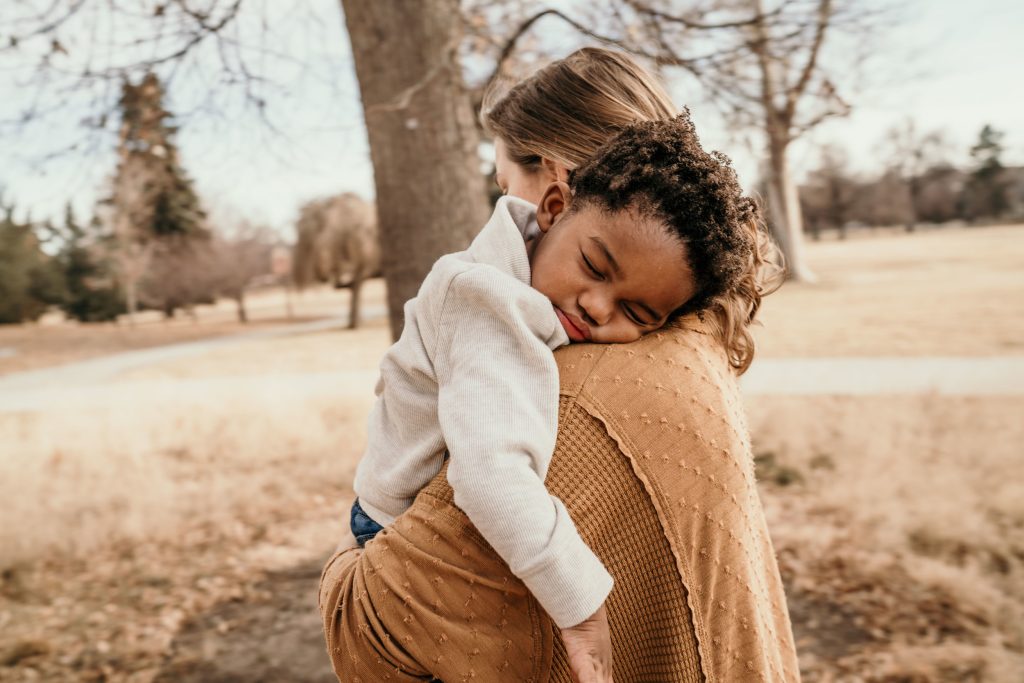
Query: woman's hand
point(588, 646)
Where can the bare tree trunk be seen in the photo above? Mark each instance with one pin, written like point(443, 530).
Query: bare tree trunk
point(132, 261)
point(786, 217)
point(779, 101)
point(353, 306)
point(914, 189)
point(131, 301)
point(423, 140)
point(243, 317)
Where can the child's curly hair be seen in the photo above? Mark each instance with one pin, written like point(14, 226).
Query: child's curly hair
point(659, 169)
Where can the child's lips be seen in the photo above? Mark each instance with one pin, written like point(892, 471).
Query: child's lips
point(576, 330)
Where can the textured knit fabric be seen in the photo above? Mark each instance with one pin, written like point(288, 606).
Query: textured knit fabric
point(652, 634)
point(654, 464)
point(672, 404)
point(473, 373)
point(428, 597)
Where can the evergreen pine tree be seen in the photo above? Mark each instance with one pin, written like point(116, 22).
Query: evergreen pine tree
point(147, 152)
point(92, 294)
point(156, 213)
point(986, 189)
point(29, 280)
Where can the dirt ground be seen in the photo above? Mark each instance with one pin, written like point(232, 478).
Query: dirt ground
point(158, 538)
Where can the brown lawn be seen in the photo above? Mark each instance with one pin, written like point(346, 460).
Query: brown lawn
point(947, 292)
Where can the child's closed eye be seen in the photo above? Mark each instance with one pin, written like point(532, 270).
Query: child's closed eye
point(634, 317)
point(591, 268)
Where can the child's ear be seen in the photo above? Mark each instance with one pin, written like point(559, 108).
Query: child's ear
point(553, 204)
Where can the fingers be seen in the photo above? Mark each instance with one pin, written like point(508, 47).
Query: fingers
point(589, 672)
point(588, 661)
point(588, 646)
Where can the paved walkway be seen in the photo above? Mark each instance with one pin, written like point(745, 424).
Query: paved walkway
point(89, 382)
point(942, 376)
point(86, 382)
point(107, 367)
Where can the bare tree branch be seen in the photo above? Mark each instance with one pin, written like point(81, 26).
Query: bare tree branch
point(794, 93)
point(205, 31)
point(221, 61)
point(402, 100)
point(662, 58)
point(649, 11)
point(47, 26)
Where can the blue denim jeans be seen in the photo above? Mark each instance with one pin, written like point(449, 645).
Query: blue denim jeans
point(363, 528)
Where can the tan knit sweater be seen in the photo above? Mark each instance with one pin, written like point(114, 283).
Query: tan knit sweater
point(672, 405)
point(653, 464)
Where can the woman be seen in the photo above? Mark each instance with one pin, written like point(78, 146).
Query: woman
point(652, 463)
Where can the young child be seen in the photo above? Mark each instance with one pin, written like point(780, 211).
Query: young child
point(651, 228)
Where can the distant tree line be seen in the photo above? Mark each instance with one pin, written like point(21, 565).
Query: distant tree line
point(149, 244)
point(917, 185)
point(79, 269)
point(44, 265)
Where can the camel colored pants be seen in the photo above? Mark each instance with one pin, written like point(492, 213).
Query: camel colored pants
point(429, 599)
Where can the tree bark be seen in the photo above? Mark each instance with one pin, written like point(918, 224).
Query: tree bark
point(353, 303)
point(778, 102)
point(784, 208)
point(914, 190)
point(243, 317)
point(131, 301)
point(423, 141)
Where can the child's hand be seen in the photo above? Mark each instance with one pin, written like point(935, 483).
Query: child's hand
point(589, 648)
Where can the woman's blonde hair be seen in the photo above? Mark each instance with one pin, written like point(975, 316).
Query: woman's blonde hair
point(570, 108)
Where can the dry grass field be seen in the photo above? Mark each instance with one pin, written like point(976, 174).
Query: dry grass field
point(948, 292)
point(899, 524)
point(170, 529)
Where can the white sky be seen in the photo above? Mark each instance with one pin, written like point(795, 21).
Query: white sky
point(948, 65)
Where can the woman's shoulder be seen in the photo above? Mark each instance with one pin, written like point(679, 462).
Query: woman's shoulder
point(680, 356)
point(669, 390)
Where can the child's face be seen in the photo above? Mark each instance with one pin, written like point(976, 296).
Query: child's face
point(612, 277)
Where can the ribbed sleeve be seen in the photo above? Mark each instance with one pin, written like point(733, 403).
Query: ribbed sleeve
point(498, 408)
point(473, 374)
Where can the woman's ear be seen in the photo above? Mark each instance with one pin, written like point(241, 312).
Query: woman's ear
point(553, 170)
point(553, 204)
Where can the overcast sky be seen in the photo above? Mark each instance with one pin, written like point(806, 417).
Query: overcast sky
point(948, 65)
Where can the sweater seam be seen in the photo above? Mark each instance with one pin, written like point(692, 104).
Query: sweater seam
point(599, 411)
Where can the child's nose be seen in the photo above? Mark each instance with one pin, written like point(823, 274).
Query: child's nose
point(598, 308)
